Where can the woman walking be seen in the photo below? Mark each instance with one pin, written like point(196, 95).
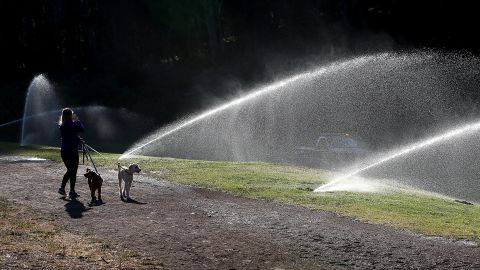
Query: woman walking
point(70, 128)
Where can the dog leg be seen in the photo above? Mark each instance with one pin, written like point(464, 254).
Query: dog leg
point(127, 188)
point(120, 183)
point(100, 193)
point(92, 192)
point(124, 189)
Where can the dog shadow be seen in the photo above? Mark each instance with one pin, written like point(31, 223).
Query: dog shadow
point(75, 208)
point(132, 201)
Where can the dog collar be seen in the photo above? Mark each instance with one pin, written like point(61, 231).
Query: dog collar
point(126, 170)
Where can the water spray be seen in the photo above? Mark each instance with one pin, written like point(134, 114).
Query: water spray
point(19, 120)
point(402, 151)
point(41, 82)
point(254, 94)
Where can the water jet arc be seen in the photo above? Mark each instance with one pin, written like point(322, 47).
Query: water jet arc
point(394, 154)
point(252, 95)
point(40, 85)
point(19, 120)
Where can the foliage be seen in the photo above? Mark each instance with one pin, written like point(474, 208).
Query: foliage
point(174, 53)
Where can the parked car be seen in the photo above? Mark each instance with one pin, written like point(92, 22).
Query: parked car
point(330, 150)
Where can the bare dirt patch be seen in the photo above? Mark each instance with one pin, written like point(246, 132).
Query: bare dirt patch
point(28, 242)
point(184, 227)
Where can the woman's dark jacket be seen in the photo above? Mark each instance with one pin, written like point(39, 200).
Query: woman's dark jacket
point(70, 135)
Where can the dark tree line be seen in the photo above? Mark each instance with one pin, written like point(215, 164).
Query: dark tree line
point(169, 57)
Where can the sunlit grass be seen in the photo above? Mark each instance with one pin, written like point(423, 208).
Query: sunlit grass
point(414, 210)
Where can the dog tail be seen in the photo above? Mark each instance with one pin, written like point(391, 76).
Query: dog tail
point(119, 166)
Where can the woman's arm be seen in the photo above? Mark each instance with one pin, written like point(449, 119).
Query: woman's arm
point(78, 126)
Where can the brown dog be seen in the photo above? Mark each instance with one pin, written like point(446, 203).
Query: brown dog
point(94, 182)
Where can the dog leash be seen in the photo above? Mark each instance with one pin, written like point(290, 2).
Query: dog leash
point(93, 149)
point(86, 153)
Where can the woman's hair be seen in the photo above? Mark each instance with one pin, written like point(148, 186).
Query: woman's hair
point(67, 115)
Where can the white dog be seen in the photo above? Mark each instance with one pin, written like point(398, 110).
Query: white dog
point(126, 175)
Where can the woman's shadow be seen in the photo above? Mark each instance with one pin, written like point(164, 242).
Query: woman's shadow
point(75, 208)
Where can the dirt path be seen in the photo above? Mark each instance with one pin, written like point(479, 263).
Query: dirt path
point(192, 228)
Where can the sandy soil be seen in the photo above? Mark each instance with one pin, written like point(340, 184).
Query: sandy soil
point(192, 228)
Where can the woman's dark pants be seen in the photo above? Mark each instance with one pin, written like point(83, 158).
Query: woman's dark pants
point(70, 158)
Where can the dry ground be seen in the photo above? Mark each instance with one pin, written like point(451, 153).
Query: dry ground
point(175, 226)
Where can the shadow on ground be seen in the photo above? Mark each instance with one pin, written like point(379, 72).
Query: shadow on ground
point(132, 201)
point(75, 208)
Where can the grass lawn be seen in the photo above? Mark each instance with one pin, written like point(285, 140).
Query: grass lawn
point(417, 211)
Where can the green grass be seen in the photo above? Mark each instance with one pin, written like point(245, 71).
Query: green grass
point(417, 211)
